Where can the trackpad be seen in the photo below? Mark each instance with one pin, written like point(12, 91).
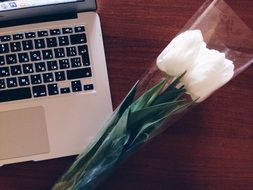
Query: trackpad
point(23, 133)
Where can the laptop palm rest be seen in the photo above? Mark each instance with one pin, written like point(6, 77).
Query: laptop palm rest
point(23, 133)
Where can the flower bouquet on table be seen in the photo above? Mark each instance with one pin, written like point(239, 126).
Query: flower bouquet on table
point(213, 47)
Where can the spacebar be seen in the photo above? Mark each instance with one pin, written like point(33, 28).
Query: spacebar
point(15, 94)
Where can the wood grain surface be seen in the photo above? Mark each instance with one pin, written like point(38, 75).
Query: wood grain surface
point(210, 148)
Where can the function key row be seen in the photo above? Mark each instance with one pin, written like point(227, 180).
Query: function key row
point(42, 33)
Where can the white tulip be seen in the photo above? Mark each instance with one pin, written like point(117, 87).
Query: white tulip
point(210, 71)
point(181, 53)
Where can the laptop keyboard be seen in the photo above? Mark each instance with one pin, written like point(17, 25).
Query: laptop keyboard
point(44, 63)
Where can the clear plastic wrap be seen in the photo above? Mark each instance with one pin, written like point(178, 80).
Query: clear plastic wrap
point(158, 100)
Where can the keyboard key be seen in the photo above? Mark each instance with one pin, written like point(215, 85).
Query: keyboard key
point(15, 46)
point(39, 43)
point(79, 29)
point(67, 30)
point(59, 52)
point(4, 71)
point(11, 82)
point(42, 33)
point(15, 94)
point(16, 70)
point(2, 60)
point(52, 89)
point(63, 40)
point(79, 73)
point(39, 91)
point(11, 59)
point(23, 57)
point(88, 87)
point(2, 84)
point(75, 62)
point(64, 63)
point(55, 32)
point(27, 45)
point(28, 68)
point(23, 81)
point(51, 42)
point(40, 67)
point(60, 76)
point(71, 51)
point(36, 79)
point(5, 38)
point(18, 36)
point(76, 86)
point(47, 54)
point(35, 55)
point(52, 65)
point(83, 51)
point(4, 48)
point(78, 39)
point(30, 35)
point(48, 77)
point(65, 90)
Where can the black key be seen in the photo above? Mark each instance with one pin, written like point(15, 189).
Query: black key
point(64, 63)
point(63, 40)
point(15, 46)
point(4, 48)
point(51, 42)
point(67, 30)
point(11, 59)
point(79, 29)
point(76, 86)
point(71, 51)
point(65, 90)
point(28, 68)
point(39, 43)
point(42, 33)
point(2, 84)
point(2, 60)
point(35, 55)
point(75, 62)
point(12, 82)
point(36, 79)
point(48, 77)
point(88, 87)
point(47, 54)
point(30, 35)
point(55, 32)
point(27, 45)
point(40, 66)
point(79, 73)
point(4, 71)
point(78, 39)
point(52, 89)
point(5, 38)
point(59, 52)
point(18, 36)
point(15, 94)
point(23, 81)
point(52, 65)
point(60, 76)
point(16, 70)
point(39, 91)
point(23, 57)
point(83, 51)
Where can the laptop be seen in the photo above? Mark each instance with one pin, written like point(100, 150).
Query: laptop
point(54, 89)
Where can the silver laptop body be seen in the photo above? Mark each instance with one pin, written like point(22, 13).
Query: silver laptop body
point(54, 90)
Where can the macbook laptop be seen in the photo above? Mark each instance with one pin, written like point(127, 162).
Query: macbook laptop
point(54, 90)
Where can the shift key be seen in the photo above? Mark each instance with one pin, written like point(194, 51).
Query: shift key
point(79, 73)
point(15, 94)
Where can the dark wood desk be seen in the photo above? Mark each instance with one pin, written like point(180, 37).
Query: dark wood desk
point(210, 148)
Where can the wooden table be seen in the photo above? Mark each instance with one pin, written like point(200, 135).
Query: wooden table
point(210, 148)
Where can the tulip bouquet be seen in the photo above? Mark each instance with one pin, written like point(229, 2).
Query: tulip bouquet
point(195, 64)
